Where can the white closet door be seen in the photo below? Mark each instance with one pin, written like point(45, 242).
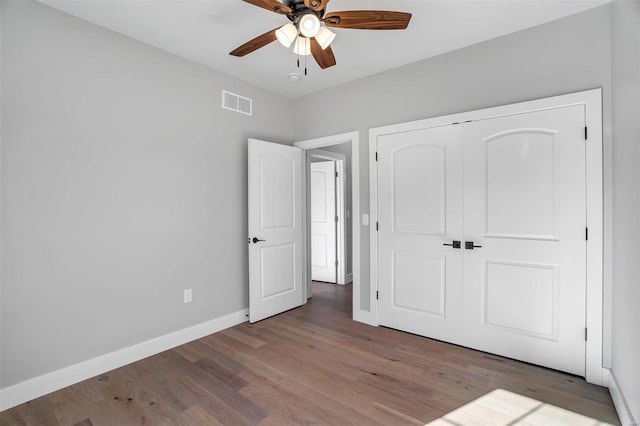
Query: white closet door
point(323, 221)
point(524, 199)
point(419, 210)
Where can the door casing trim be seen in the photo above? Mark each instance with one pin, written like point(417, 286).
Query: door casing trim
point(354, 138)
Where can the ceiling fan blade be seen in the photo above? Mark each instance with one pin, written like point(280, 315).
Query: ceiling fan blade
point(255, 44)
point(316, 5)
point(272, 5)
point(368, 20)
point(325, 57)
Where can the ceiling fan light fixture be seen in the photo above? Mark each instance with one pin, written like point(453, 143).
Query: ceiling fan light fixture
point(302, 46)
point(309, 25)
point(287, 34)
point(307, 28)
point(325, 37)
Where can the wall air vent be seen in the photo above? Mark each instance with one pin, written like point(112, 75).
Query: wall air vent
point(237, 103)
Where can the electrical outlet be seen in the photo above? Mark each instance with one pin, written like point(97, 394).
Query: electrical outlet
point(188, 295)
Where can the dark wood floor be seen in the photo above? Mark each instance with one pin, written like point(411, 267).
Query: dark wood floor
point(311, 365)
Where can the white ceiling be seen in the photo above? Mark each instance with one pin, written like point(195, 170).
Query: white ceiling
point(205, 31)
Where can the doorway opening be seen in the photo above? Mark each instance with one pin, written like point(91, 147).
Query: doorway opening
point(330, 206)
point(330, 214)
point(341, 152)
point(338, 298)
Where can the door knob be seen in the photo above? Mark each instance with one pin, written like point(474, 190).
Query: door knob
point(455, 244)
point(256, 239)
point(469, 245)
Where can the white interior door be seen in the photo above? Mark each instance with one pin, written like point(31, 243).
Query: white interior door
point(419, 211)
point(275, 229)
point(525, 206)
point(323, 221)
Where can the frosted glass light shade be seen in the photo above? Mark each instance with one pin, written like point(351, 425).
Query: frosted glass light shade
point(302, 46)
point(309, 25)
point(287, 34)
point(324, 37)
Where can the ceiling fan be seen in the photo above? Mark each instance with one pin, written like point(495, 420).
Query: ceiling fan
point(307, 29)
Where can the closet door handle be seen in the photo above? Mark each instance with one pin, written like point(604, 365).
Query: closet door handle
point(469, 245)
point(455, 244)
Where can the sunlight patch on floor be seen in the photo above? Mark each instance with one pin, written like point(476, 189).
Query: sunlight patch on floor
point(502, 408)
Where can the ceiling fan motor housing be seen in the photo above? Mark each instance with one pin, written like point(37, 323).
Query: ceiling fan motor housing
point(299, 9)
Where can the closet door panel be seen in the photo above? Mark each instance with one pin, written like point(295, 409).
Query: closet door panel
point(419, 210)
point(525, 205)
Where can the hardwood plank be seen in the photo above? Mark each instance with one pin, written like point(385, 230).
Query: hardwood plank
point(68, 408)
point(398, 416)
point(286, 406)
point(260, 367)
point(297, 394)
point(38, 412)
point(242, 337)
point(222, 391)
point(197, 415)
point(221, 373)
point(14, 416)
point(190, 351)
point(219, 409)
point(219, 358)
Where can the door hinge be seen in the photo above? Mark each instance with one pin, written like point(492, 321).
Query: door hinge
point(586, 234)
point(585, 334)
point(377, 295)
point(336, 262)
point(337, 219)
point(585, 133)
point(377, 226)
point(376, 156)
point(336, 174)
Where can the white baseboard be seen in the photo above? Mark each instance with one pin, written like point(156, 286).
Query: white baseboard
point(363, 316)
point(50, 382)
point(348, 279)
point(626, 418)
point(606, 377)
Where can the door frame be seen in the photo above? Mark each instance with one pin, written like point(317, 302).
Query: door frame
point(341, 207)
point(354, 138)
point(592, 100)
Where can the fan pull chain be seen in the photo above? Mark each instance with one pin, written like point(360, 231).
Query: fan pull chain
point(305, 56)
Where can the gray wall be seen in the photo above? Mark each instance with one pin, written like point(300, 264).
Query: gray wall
point(563, 56)
point(626, 200)
point(123, 183)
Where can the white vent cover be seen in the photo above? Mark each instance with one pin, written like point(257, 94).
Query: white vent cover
point(236, 103)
